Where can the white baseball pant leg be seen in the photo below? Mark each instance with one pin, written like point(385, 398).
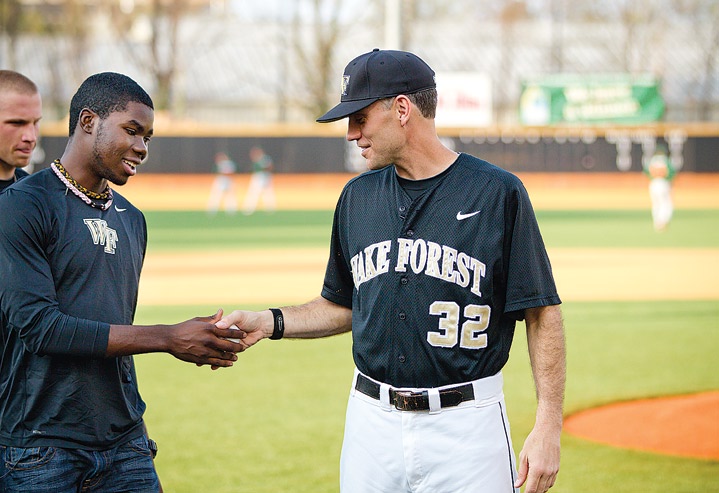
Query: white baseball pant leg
point(459, 449)
point(660, 191)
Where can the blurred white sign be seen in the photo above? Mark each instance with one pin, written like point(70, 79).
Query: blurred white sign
point(465, 99)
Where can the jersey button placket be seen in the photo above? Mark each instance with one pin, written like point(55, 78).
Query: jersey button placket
point(402, 316)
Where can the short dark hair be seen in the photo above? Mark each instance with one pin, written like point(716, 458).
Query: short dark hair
point(425, 101)
point(106, 93)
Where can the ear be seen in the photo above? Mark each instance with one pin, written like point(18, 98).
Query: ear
point(403, 108)
point(87, 120)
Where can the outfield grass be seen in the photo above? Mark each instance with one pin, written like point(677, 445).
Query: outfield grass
point(629, 229)
point(189, 230)
point(195, 230)
point(273, 423)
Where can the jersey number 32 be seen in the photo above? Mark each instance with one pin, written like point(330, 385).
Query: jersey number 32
point(472, 334)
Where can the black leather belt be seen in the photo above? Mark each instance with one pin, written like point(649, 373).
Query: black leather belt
point(416, 401)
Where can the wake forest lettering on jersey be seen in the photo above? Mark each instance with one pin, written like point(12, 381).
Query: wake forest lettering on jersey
point(432, 259)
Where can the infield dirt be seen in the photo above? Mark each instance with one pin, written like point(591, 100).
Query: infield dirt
point(581, 274)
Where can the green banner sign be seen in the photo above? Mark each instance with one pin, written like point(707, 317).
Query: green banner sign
point(597, 99)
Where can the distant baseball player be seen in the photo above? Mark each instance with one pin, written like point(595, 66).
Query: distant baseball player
point(20, 114)
point(661, 172)
point(260, 187)
point(223, 186)
point(71, 253)
point(434, 258)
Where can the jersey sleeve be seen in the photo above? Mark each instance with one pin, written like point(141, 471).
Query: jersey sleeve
point(28, 300)
point(530, 282)
point(338, 285)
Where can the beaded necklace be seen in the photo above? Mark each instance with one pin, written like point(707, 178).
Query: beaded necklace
point(83, 193)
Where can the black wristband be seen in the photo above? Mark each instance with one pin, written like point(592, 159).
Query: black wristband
point(279, 329)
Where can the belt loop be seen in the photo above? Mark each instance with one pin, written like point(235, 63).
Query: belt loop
point(478, 401)
point(487, 389)
point(435, 405)
point(353, 389)
point(478, 395)
point(384, 397)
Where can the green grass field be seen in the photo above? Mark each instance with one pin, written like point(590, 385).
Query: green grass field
point(194, 230)
point(273, 423)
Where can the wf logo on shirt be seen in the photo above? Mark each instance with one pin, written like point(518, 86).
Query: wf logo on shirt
point(101, 234)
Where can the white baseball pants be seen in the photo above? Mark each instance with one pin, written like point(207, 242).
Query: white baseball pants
point(461, 449)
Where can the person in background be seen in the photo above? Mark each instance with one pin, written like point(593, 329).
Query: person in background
point(260, 187)
point(71, 253)
point(20, 114)
point(434, 258)
point(223, 187)
point(661, 173)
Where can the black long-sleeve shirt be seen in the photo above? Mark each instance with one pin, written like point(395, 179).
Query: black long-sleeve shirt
point(67, 271)
point(17, 176)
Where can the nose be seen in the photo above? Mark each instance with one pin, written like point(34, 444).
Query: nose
point(353, 131)
point(31, 132)
point(141, 147)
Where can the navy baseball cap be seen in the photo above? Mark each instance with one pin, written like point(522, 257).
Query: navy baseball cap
point(376, 75)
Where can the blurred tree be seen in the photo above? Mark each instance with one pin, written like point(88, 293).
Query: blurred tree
point(63, 22)
point(558, 16)
point(59, 42)
point(637, 18)
point(315, 58)
point(711, 80)
point(10, 23)
point(704, 17)
point(513, 11)
point(412, 11)
point(149, 33)
point(317, 26)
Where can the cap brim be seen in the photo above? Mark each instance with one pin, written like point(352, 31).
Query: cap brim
point(345, 109)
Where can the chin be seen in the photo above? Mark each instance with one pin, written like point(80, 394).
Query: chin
point(119, 180)
point(374, 166)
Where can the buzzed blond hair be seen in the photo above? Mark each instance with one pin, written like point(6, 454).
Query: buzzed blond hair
point(15, 81)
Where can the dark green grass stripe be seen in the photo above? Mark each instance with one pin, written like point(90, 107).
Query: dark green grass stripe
point(195, 230)
point(629, 229)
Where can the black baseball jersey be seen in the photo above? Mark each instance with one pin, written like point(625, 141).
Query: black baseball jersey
point(19, 175)
point(436, 284)
point(67, 271)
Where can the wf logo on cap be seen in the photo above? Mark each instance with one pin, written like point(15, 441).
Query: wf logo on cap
point(377, 75)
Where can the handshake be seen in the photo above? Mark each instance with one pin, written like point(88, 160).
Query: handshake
point(216, 340)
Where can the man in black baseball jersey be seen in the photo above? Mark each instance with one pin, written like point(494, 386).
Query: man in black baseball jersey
point(20, 114)
point(71, 252)
point(434, 258)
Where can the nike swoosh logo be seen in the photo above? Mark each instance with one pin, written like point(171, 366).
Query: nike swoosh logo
point(461, 216)
point(119, 210)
